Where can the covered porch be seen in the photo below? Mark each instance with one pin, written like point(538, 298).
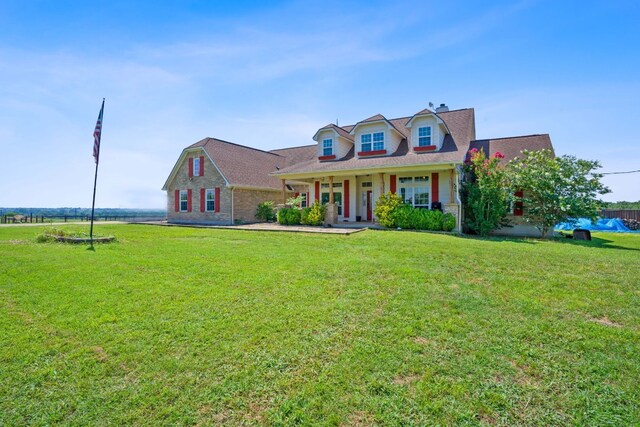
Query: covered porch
point(351, 196)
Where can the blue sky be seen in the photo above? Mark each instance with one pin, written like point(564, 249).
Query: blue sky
point(268, 74)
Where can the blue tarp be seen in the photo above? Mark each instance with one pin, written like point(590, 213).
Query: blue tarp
point(614, 225)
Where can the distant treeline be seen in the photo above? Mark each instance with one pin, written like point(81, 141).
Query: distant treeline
point(61, 212)
point(622, 205)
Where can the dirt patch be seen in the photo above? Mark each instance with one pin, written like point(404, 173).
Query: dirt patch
point(406, 379)
point(606, 322)
point(17, 242)
point(101, 355)
point(360, 419)
point(421, 340)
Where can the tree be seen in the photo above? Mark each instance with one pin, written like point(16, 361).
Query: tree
point(485, 193)
point(556, 189)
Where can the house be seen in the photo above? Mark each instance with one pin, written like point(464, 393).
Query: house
point(419, 157)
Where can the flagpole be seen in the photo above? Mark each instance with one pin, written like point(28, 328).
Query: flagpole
point(95, 178)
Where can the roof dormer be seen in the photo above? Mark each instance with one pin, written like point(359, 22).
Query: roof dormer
point(427, 131)
point(375, 136)
point(333, 142)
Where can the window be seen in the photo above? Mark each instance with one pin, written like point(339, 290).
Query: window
point(327, 147)
point(303, 203)
point(210, 199)
point(367, 184)
point(337, 199)
point(365, 142)
point(414, 191)
point(378, 141)
point(335, 185)
point(184, 202)
point(424, 136)
point(196, 166)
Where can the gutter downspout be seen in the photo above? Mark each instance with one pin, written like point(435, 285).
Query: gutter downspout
point(457, 196)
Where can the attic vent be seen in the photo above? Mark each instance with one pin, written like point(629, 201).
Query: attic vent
point(442, 108)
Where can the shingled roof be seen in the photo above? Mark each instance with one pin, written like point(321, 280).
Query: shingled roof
point(241, 165)
point(460, 123)
point(512, 146)
point(250, 167)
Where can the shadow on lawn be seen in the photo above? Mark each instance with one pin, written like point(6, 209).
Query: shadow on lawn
point(596, 242)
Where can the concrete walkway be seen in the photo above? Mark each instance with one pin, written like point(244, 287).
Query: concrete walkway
point(270, 226)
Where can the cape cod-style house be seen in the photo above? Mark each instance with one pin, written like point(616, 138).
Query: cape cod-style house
point(419, 157)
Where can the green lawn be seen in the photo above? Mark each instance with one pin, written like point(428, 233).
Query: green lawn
point(177, 326)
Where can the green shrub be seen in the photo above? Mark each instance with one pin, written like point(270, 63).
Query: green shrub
point(404, 216)
point(386, 206)
point(313, 215)
point(424, 219)
point(448, 222)
point(289, 216)
point(266, 212)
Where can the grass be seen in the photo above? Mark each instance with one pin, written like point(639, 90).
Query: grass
point(178, 326)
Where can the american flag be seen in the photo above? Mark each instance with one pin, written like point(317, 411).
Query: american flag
point(96, 135)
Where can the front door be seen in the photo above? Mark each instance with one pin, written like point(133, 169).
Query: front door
point(369, 215)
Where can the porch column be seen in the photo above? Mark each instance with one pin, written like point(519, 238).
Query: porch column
point(284, 191)
point(452, 176)
point(331, 189)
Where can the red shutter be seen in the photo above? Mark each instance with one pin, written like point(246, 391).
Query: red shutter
point(392, 183)
point(296, 194)
point(345, 202)
point(189, 199)
point(217, 200)
point(202, 200)
point(176, 200)
point(317, 191)
point(308, 199)
point(518, 207)
point(190, 167)
point(201, 166)
point(435, 187)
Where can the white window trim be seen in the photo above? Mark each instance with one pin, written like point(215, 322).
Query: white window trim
point(373, 142)
point(430, 136)
point(330, 140)
point(186, 200)
point(196, 166)
point(412, 186)
point(303, 201)
point(206, 199)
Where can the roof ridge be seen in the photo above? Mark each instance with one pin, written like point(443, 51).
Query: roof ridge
point(511, 137)
point(239, 145)
point(297, 146)
point(457, 109)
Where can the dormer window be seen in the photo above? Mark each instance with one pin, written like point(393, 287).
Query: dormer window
point(378, 141)
point(424, 136)
point(327, 147)
point(367, 139)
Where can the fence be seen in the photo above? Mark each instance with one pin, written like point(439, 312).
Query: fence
point(27, 219)
point(621, 213)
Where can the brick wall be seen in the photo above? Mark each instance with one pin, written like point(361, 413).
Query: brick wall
point(246, 202)
point(210, 180)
